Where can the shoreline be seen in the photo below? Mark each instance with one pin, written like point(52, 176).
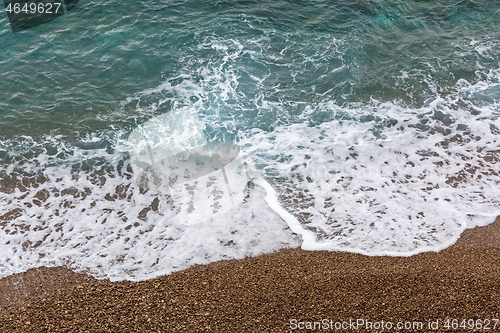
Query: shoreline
point(268, 293)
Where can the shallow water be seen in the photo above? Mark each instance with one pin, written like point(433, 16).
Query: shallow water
point(376, 123)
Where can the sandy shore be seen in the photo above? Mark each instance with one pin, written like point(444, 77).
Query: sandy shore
point(275, 292)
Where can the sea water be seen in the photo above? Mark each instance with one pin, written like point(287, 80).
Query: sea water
point(364, 126)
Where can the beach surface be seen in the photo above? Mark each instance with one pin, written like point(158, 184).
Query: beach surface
point(278, 292)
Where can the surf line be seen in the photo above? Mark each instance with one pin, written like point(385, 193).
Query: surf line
point(308, 238)
point(309, 241)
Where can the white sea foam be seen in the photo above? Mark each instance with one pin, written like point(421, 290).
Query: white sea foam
point(379, 178)
point(204, 179)
point(104, 224)
point(398, 192)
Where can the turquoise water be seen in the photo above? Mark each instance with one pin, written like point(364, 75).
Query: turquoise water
point(375, 121)
point(70, 75)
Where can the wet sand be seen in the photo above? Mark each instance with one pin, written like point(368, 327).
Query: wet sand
point(276, 292)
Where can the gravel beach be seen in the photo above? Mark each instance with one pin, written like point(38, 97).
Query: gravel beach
point(278, 292)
